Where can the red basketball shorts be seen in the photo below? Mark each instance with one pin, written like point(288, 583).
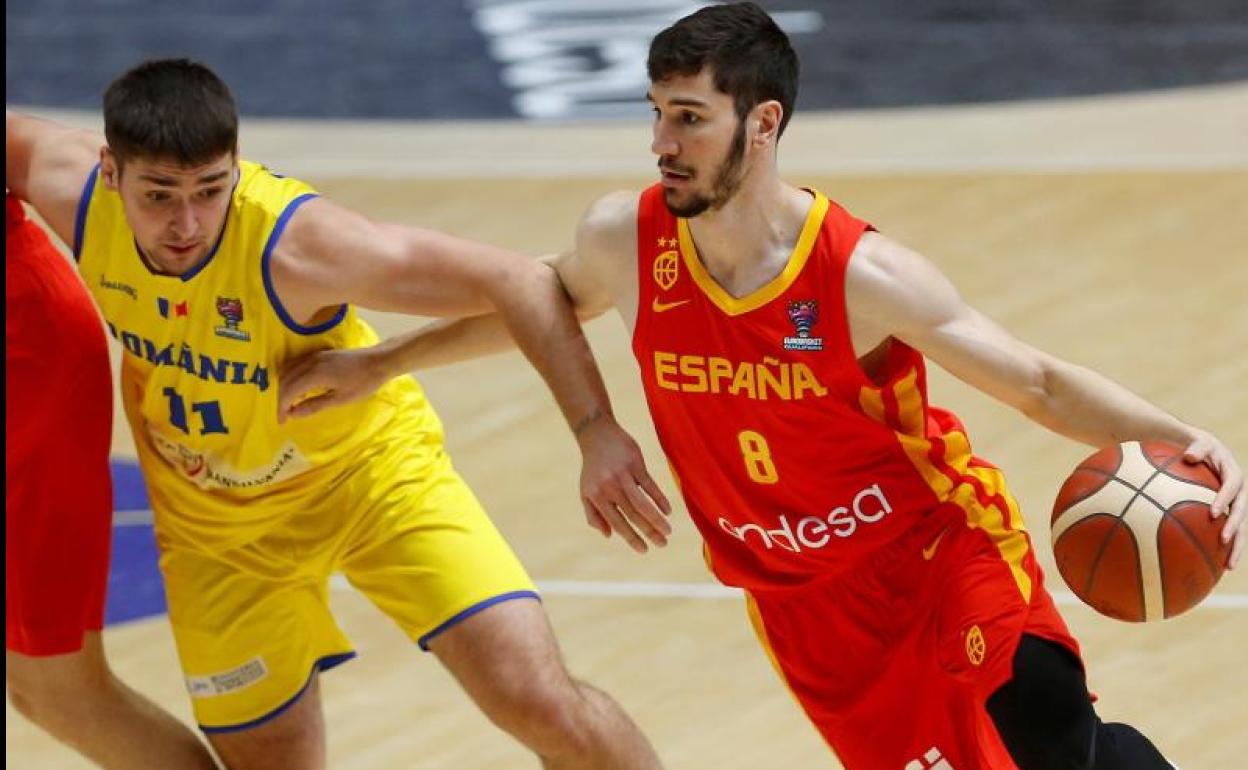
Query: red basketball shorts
point(59, 410)
point(895, 662)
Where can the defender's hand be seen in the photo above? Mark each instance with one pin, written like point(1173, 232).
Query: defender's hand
point(616, 489)
point(324, 379)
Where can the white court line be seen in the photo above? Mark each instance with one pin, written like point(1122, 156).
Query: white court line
point(132, 518)
point(639, 590)
point(623, 589)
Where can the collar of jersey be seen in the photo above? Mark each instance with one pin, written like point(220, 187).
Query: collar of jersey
point(768, 291)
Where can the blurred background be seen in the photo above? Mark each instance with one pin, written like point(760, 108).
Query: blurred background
point(579, 59)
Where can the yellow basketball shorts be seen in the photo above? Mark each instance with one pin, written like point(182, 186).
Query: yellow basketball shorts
point(252, 624)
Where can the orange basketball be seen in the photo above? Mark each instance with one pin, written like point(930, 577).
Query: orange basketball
point(1133, 534)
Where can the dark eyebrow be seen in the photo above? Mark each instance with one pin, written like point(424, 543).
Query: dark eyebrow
point(166, 181)
point(687, 101)
point(217, 177)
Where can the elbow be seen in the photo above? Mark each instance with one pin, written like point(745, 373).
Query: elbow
point(1039, 392)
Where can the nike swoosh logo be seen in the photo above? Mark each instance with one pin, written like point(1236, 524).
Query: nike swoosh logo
point(930, 551)
point(663, 307)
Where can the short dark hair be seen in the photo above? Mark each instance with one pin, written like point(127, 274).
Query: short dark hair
point(172, 109)
point(750, 56)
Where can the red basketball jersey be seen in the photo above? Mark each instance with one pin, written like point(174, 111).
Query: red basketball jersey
point(794, 465)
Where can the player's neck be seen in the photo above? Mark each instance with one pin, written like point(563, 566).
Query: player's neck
point(748, 241)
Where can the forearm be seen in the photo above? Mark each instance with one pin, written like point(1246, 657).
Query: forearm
point(539, 316)
point(1089, 407)
point(442, 342)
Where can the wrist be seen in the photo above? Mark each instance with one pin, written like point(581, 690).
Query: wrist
point(583, 426)
point(378, 363)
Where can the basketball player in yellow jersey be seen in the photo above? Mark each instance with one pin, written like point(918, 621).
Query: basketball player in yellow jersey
point(212, 273)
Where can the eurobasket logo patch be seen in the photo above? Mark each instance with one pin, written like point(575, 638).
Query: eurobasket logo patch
point(804, 314)
point(231, 311)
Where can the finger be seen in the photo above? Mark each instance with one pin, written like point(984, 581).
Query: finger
point(1230, 492)
point(620, 525)
point(1235, 521)
point(654, 492)
point(294, 385)
point(1198, 450)
point(313, 404)
point(641, 510)
point(296, 367)
point(595, 519)
point(1237, 551)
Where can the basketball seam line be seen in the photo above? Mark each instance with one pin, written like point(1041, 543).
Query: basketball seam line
point(1200, 547)
point(1139, 491)
point(1096, 563)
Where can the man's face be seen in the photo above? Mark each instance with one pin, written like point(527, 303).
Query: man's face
point(700, 142)
point(175, 211)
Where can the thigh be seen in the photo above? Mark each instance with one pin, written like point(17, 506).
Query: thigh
point(250, 639)
point(292, 740)
point(503, 655)
point(429, 556)
point(58, 491)
point(894, 663)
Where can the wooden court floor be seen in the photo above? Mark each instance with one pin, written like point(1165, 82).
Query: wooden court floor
point(1141, 273)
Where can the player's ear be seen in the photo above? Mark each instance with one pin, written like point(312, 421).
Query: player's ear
point(110, 169)
point(764, 119)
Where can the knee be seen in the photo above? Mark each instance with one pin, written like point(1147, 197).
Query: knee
point(40, 701)
point(1052, 741)
point(57, 701)
point(552, 718)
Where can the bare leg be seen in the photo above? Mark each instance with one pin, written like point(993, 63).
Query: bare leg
point(506, 659)
point(77, 700)
point(293, 740)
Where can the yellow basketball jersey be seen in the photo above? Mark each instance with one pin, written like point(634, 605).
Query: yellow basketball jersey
point(199, 369)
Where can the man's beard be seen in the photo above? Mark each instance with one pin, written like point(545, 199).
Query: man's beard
point(727, 182)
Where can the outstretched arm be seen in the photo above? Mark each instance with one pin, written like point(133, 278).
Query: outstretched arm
point(333, 377)
point(330, 255)
point(893, 292)
point(46, 165)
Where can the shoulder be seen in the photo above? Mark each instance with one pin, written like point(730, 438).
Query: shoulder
point(897, 288)
point(877, 258)
point(612, 212)
point(609, 225)
point(260, 188)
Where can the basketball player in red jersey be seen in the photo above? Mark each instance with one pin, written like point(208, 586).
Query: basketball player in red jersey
point(781, 343)
point(58, 518)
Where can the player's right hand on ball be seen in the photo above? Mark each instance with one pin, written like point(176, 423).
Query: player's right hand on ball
point(1232, 498)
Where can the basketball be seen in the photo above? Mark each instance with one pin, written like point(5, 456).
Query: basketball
point(1133, 535)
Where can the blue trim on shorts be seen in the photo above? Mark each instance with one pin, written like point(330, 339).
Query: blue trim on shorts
point(84, 203)
point(267, 275)
point(324, 664)
point(473, 610)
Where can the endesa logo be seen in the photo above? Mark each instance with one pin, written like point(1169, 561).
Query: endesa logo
point(868, 506)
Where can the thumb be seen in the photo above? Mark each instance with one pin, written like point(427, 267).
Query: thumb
point(315, 402)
